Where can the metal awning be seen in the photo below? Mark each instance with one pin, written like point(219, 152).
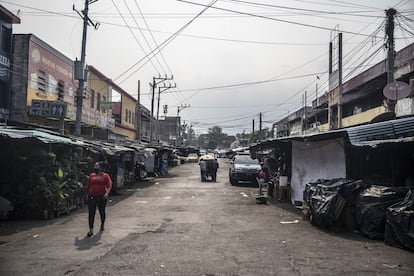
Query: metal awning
point(393, 131)
point(40, 135)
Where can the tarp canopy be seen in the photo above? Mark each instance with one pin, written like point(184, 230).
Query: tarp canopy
point(313, 161)
point(43, 136)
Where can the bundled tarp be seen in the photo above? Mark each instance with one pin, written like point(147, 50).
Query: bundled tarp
point(399, 229)
point(372, 204)
point(329, 199)
point(309, 191)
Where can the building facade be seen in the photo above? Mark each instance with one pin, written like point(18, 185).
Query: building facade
point(42, 82)
point(362, 100)
point(44, 90)
point(7, 19)
point(168, 130)
point(43, 93)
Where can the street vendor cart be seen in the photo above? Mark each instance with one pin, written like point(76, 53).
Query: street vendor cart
point(211, 167)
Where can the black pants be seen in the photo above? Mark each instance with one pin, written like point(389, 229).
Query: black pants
point(93, 202)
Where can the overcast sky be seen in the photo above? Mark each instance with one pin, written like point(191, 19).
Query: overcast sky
point(229, 63)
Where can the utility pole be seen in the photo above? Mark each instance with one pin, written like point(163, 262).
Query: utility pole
point(389, 30)
point(340, 88)
point(317, 104)
point(330, 73)
point(80, 66)
point(138, 112)
point(253, 126)
point(260, 125)
point(178, 128)
point(160, 90)
point(155, 82)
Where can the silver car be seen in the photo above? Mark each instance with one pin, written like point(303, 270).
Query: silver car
point(243, 168)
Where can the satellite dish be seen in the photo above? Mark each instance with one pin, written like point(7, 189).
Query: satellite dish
point(396, 90)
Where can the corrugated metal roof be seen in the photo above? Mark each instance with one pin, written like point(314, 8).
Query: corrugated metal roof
point(43, 136)
point(382, 131)
point(393, 131)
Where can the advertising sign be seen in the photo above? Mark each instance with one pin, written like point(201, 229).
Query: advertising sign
point(48, 108)
point(47, 69)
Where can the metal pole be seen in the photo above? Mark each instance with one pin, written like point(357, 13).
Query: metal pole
point(152, 110)
point(260, 125)
point(79, 98)
point(316, 114)
point(139, 122)
point(158, 114)
point(177, 126)
point(389, 29)
point(340, 88)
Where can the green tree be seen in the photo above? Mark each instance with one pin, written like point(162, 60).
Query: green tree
point(257, 136)
point(215, 139)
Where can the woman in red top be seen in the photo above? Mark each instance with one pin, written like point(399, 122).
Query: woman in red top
point(98, 188)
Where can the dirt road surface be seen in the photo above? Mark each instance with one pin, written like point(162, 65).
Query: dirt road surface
point(176, 225)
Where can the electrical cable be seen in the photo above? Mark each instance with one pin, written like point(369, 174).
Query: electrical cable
point(136, 39)
point(273, 19)
point(354, 13)
point(163, 44)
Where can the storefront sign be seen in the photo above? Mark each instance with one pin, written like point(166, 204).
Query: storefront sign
point(48, 108)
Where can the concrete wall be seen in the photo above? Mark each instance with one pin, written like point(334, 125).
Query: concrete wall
point(363, 117)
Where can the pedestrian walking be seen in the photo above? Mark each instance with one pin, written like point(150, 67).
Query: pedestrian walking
point(214, 169)
point(164, 167)
point(98, 188)
point(203, 169)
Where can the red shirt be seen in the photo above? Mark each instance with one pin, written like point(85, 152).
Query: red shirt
point(98, 185)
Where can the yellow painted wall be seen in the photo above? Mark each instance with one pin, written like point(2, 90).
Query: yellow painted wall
point(93, 116)
point(362, 117)
point(99, 86)
point(126, 132)
point(324, 127)
point(130, 105)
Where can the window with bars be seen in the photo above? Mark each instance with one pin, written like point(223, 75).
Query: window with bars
point(41, 82)
point(98, 101)
point(104, 105)
point(61, 91)
point(92, 99)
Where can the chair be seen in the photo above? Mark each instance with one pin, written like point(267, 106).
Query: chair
point(263, 187)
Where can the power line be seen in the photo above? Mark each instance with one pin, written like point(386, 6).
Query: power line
point(163, 44)
point(353, 13)
point(273, 19)
point(134, 36)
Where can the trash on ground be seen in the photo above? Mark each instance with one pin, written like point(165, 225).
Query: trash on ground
point(290, 222)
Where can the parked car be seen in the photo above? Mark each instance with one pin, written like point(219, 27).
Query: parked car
point(182, 159)
point(192, 158)
point(243, 168)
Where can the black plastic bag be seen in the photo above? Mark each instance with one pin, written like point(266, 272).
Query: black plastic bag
point(399, 229)
point(372, 204)
point(326, 205)
point(350, 190)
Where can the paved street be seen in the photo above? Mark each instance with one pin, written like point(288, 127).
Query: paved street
point(177, 225)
